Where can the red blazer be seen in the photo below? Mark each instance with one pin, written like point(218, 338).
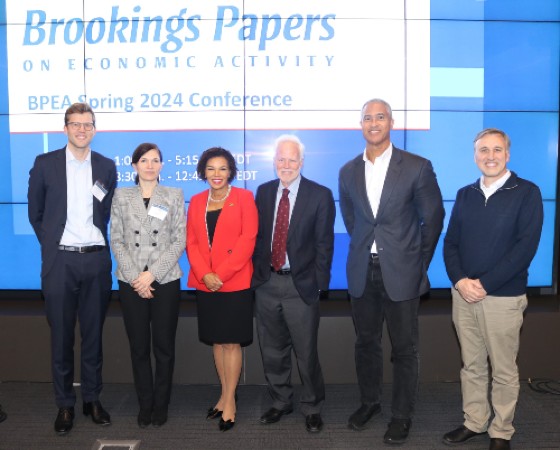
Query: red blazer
point(233, 243)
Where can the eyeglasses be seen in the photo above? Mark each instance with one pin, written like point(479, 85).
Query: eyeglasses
point(88, 126)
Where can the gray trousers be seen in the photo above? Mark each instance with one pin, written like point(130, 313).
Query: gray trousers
point(285, 323)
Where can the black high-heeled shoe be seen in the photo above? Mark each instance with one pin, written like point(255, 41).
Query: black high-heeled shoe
point(226, 425)
point(213, 413)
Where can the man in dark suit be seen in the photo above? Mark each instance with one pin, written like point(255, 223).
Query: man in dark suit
point(393, 211)
point(290, 271)
point(70, 192)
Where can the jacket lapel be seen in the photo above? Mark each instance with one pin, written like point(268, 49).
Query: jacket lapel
point(361, 188)
point(391, 180)
point(60, 171)
point(270, 205)
point(300, 206)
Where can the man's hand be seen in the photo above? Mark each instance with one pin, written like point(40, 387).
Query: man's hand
point(471, 290)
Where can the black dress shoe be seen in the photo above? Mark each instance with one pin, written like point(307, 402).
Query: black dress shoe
point(364, 413)
point(460, 436)
point(213, 413)
point(397, 433)
point(144, 418)
point(313, 423)
point(64, 420)
point(159, 417)
point(499, 444)
point(273, 415)
point(98, 414)
point(226, 425)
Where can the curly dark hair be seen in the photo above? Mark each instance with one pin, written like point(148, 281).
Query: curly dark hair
point(140, 151)
point(216, 152)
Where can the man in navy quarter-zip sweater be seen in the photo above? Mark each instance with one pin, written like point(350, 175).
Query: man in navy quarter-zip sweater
point(493, 235)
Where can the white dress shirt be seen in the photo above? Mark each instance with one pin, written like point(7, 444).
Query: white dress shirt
point(79, 230)
point(375, 179)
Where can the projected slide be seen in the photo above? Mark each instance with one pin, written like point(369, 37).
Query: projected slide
point(231, 73)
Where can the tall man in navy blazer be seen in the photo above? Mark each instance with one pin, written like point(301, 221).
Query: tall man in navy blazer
point(287, 298)
point(393, 211)
point(70, 192)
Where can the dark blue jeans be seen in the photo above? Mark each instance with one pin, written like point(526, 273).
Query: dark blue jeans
point(368, 312)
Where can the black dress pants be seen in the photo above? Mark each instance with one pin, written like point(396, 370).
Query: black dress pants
point(369, 311)
point(152, 322)
point(78, 287)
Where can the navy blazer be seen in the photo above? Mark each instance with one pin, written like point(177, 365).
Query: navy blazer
point(406, 228)
point(310, 243)
point(48, 203)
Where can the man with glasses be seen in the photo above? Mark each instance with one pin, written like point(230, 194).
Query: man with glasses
point(70, 193)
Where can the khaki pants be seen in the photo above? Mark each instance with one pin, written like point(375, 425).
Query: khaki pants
point(489, 330)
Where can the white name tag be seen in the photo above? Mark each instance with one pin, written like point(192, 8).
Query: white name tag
point(158, 211)
point(99, 191)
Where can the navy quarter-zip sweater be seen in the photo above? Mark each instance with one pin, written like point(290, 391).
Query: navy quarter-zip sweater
point(494, 240)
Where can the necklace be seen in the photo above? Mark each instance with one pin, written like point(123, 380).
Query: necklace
point(212, 199)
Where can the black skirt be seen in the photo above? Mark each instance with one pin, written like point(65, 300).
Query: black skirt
point(225, 317)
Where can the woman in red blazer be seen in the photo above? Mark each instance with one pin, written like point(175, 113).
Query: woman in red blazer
point(222, 225)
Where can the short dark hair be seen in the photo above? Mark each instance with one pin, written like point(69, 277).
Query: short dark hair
point(140, 151)
point(78, 108)
point(216, 152)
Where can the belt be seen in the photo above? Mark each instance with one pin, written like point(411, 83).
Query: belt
point(281, 271)
point(86, 249)
point(373, 256)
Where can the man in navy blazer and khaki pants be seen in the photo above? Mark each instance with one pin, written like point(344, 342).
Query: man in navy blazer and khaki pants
point(70, 192)
point(393, 211)
point(287, 296)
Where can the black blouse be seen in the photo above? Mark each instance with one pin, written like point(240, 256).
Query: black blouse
point(211, 221)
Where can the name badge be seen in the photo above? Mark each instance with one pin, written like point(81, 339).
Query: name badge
point(158, 211)
point(99, 191)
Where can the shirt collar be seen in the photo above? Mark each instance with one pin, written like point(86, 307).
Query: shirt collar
point(385, 156)
point(496, 184)
point(293, 188)
point(70, 156)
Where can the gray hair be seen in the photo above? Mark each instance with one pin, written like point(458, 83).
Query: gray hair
point(490, 131)
point(377, 100)
point(290, 138)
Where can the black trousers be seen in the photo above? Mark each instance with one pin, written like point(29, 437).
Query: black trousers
point(78, 287)
point(152, 322)
point(369, 311)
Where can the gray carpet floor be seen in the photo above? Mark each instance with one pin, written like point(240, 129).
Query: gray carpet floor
point(31, 413)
